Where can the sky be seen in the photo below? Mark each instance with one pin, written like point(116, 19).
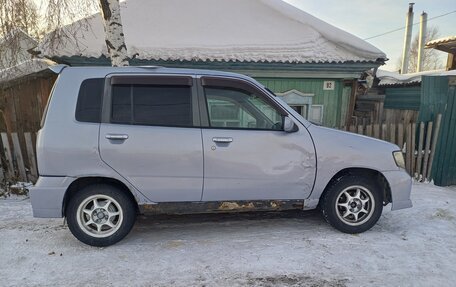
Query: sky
point(369, 18)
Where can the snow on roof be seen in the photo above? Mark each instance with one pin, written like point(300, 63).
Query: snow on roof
point(14, 48)
point(23, 69)
point(447, 44)
point(222, 30)
point(18, 33)
point(388, 78)
point(440, 41)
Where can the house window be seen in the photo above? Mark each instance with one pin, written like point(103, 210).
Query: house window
point(298, 101)
point(301, 109)
point(316, 114)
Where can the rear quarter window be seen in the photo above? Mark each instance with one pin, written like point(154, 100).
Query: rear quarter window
point(46, 108)
point(88, 107)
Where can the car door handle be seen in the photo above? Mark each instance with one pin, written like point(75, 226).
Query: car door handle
point(222, 140)
point(116, 137)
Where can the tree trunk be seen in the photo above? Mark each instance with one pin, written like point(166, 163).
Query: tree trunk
point(115, 41)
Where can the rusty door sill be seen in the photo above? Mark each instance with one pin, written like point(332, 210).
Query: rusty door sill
point(220, 206)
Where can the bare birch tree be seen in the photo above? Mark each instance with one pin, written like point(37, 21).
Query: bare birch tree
point(16, 17)
point(115, 40)
point(24, 15)
point(19, 14)
point(431, 59)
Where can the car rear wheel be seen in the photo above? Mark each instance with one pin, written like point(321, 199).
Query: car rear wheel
point(353, 204)
point(100, 215)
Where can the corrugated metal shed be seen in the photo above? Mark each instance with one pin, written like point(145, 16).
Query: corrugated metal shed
point(404, 98)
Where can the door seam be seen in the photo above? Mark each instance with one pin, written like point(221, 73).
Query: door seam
point(204, 169)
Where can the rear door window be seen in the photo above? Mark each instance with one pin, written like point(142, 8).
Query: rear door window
point(155, 105)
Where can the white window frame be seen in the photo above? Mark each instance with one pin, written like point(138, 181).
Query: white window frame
point(294, 97)
point(320, 121)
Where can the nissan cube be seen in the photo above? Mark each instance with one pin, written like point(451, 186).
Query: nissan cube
point(120, 141)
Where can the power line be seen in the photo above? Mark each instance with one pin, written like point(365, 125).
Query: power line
point(402, 28)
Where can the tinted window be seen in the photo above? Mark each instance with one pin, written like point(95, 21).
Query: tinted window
point(121, 104)
point(88, 108)
point(152, 105)
point(232, 108)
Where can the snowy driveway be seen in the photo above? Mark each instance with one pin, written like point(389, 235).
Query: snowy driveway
point(412, 247)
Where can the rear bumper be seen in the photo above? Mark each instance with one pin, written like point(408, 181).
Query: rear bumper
point(47, 196)
point(401, 186)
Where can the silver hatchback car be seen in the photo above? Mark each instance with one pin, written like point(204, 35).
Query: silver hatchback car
point(116, 142)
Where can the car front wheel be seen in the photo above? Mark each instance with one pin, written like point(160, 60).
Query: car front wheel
point(353, 204)
point(100, 215)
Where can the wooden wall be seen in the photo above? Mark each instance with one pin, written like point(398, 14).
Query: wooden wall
point(22, 103)
point(335, 102)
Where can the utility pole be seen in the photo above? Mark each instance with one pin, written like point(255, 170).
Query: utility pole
point(407, 39)
point(421, 41)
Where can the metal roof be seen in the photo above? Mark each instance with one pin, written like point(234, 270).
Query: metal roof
point(447, 44)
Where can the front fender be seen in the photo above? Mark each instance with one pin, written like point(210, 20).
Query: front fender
point(337, 150)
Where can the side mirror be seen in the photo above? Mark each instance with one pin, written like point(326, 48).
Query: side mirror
point(289, 126)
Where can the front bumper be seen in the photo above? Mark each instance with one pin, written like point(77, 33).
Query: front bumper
point(47, 196)
point(400, 184)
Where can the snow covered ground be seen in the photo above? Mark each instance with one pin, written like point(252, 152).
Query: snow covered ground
point(411, 247)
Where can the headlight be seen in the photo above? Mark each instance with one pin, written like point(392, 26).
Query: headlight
point(399, 158)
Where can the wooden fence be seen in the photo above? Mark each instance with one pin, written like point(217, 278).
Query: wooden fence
point(18, 160)
point(417, 141)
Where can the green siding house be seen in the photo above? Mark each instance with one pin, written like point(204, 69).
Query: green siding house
point(314, 66)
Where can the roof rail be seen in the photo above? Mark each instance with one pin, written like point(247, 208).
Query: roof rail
point(57, 68)
point(149, 67)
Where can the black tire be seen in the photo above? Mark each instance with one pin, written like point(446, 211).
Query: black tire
point(336, 215)
point(121, 204)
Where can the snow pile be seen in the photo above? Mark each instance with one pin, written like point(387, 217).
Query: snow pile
point(223, 30)
point(23, 69)
point(14, 48)
point(393, 78)
point(440, 41)
point(410, 247)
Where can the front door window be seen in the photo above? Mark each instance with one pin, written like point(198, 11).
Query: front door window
point(231, 108)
